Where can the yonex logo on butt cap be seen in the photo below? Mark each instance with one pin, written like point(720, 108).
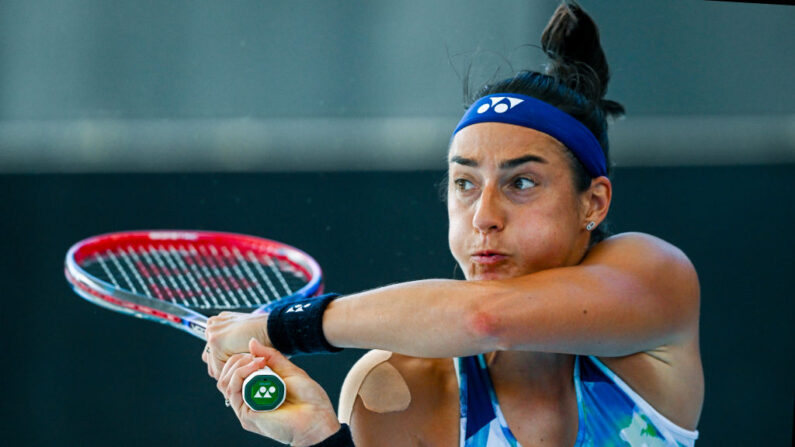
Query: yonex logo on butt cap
point(499, 105)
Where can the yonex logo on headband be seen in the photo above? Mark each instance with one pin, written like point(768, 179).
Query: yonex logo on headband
point(499, 106)
point(533, 113)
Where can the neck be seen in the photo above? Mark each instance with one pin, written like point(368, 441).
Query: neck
point(539, 368)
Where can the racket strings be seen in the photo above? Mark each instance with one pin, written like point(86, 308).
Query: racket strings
point(143, 274)
point(125, 276)
point(228, 297)
point(128, 262)
point(177, 254)
point(199, 276)
point(163, 257)
point(255, 285)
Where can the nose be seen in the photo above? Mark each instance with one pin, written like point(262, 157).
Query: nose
point(489, 215)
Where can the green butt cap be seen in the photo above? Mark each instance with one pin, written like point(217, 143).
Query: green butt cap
point(263, 391)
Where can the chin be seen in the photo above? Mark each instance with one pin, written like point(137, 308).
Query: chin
point(489, 275)
point(484, 273)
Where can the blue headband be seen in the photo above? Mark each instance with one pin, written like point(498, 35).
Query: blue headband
point(535, 114)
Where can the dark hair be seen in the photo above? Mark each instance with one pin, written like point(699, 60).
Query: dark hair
point(575, 81)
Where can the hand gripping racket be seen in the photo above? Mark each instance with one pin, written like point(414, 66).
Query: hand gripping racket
point(181, 278)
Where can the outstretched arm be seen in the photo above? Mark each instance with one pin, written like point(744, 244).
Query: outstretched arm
point(632, 293)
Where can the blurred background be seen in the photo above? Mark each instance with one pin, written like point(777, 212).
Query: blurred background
point(324, 124)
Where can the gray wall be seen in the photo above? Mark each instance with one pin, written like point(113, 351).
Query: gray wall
point(84, 84)
point(186, 59)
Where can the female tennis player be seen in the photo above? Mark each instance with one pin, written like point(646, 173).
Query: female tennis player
point(560, 335)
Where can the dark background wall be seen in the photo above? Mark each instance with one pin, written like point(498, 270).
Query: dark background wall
point(75, 374)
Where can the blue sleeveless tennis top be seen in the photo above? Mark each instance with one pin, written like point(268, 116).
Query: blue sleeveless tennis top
point(610, 412)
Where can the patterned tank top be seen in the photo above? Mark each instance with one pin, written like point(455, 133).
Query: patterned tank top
point(610, 412)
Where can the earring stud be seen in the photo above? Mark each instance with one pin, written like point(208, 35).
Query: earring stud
point(590, 225)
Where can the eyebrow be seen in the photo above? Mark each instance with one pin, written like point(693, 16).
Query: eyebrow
point(507, 164)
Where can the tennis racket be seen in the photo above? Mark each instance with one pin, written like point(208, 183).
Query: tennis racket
point(181, 278)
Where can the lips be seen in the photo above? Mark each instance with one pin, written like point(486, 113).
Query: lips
point(488, 257)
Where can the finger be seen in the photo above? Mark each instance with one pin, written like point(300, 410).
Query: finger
point(234, 389)
point(233, 359)
point(211, 367)
point(214, 341)
point(223, 316)
point(215, 364)
point(207, 358)
point(211, 323)
point(230, 364)
point(280, 364)
point(233, 396)
point(218, 318)
point(217, 355)
point(229, 368)
point(234, 381)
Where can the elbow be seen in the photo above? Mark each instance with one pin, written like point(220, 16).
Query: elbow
point(486, 326)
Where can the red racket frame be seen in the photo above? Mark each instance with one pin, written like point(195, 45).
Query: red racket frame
point(117, 299)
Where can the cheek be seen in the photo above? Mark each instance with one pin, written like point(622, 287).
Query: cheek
point(545, 235)
point(457, 231)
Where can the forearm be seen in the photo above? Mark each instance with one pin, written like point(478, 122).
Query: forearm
point(429, 318)
point(603, 307)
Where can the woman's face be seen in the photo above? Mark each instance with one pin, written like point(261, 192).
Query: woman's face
point(512, 203)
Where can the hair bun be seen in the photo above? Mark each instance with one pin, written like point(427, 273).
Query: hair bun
point(571, 41)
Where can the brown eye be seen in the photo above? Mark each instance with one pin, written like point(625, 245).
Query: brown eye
point(463, 184)
point(523, 183)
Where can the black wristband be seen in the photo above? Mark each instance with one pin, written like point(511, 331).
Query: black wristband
point(296, 326)
point(342, 438)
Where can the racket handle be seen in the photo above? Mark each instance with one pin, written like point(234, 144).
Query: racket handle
point(264, 390)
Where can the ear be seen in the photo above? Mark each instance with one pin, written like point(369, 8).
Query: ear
point(596, 200)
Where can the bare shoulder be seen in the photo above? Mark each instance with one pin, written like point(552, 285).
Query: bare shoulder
point(393, 396)
point(669, 377)
point(634, 246)
point(659, 264)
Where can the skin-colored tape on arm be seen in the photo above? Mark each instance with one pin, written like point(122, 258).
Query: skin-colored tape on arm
point(381, 387)
point(384, 390)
